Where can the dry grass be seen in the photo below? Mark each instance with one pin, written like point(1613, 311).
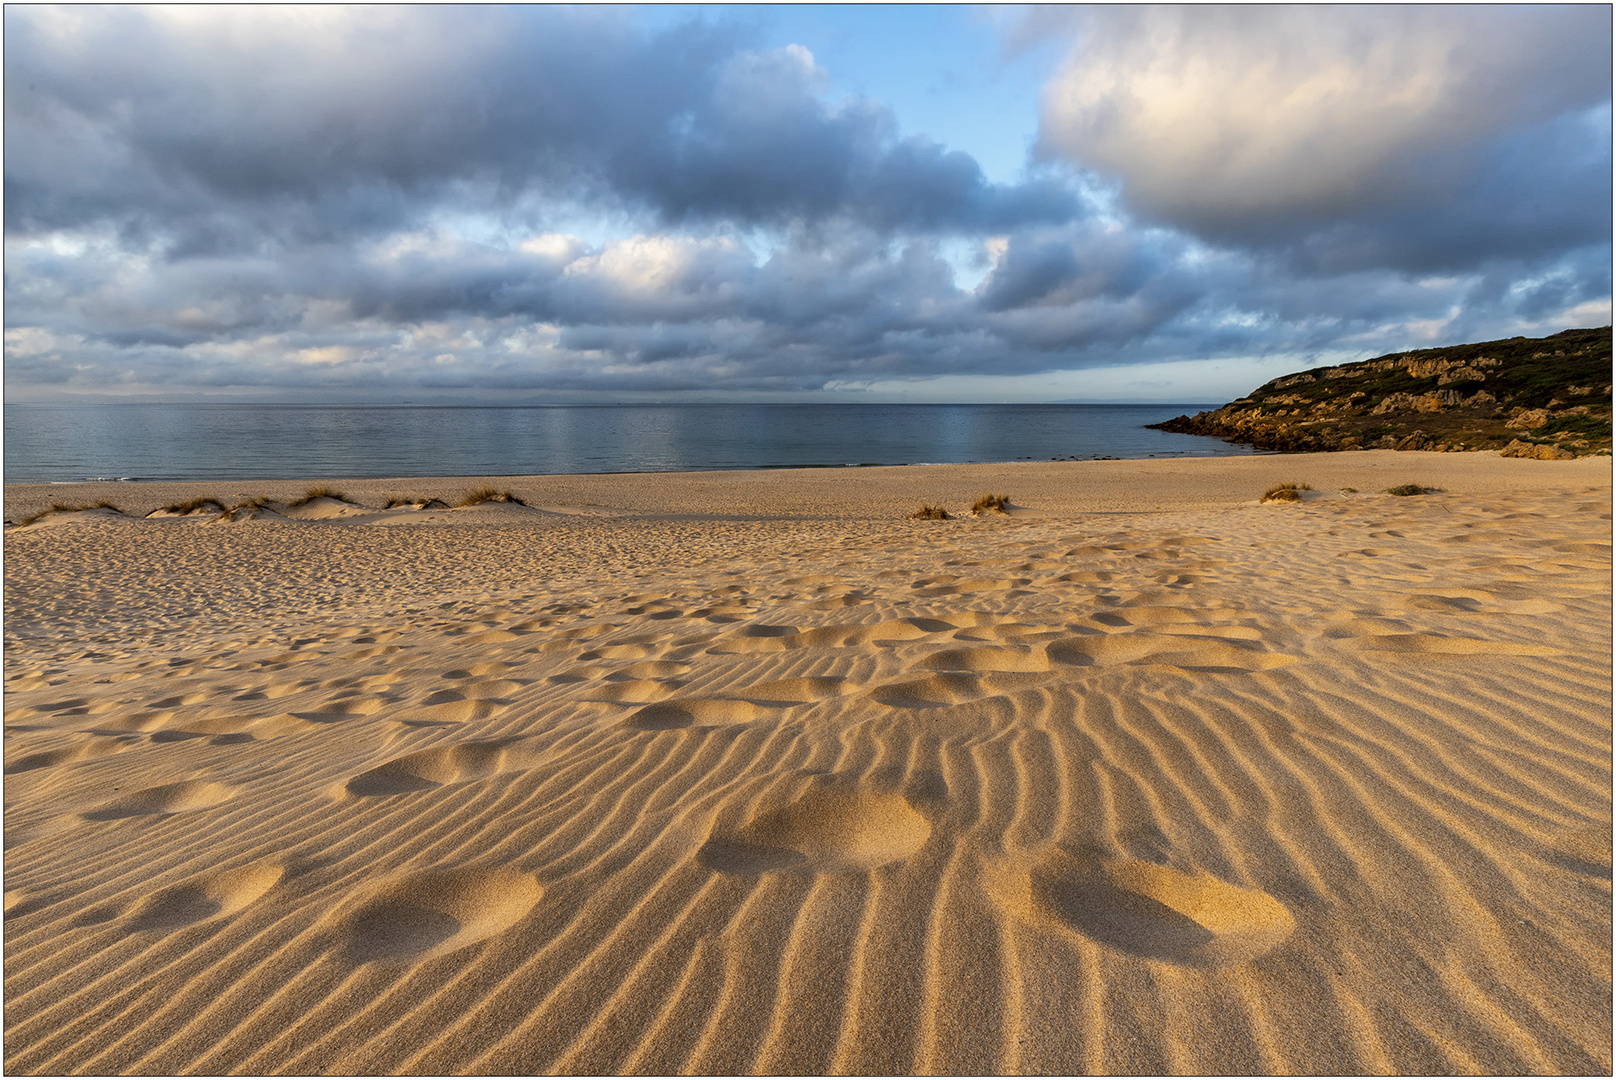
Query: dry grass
point(191, 506)
point(257, 502)
point(1410, 489)
point(418, 502)
point(320, 491)
point(990, 504)
point(488, 494)
point(1287, 492)
point(64, 508)
point(929, 513)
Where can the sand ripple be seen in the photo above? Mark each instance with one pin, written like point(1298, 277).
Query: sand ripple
point(1227, 790)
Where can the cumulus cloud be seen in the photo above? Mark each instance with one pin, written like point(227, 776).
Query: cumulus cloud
point(206, 129)
point(1376, 134)
point(371, 199)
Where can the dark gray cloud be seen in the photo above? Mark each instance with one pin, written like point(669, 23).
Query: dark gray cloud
point(216, 131)
point(368, 199)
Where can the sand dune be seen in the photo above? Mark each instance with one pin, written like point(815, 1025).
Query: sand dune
point(747, 773)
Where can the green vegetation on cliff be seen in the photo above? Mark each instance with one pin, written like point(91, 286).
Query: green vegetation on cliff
point(1530, 397)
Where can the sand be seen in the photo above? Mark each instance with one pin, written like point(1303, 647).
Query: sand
point(743, 772)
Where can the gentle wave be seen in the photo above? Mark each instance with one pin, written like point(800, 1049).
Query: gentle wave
point(75, 443)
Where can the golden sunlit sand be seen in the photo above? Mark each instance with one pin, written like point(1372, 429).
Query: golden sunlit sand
point(746, 772)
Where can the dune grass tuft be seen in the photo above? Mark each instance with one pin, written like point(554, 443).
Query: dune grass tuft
point(929, 513)
point(191, 506)
point(488, 494)
point(990, 504)
point(417, 502)
point(64, 508)
point(256, 502)
point(1287, 492)
point(320, 491)
point(1410, 489)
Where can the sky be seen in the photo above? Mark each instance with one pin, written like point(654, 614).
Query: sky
point(838, 203)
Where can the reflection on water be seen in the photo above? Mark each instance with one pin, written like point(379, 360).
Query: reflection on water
point(207, 442)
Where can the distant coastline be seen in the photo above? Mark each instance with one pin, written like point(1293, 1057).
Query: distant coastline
point(1526, 397)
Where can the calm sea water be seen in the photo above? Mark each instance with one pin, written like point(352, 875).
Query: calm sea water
point(65, 443)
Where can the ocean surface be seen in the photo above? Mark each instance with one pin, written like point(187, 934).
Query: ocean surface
point(72, 442)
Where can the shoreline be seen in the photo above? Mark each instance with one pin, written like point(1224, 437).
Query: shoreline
point(649, 472)
point(877, 491)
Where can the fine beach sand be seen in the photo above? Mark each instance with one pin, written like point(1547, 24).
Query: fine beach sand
point(744, 772)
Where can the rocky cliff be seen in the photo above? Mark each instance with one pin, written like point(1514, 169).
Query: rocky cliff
point(1529, 397)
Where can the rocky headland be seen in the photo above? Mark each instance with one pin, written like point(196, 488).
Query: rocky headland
point(1527, 397)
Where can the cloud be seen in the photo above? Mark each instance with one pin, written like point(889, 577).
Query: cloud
point(145, 118)
point(1364, 135)
point(363, 200)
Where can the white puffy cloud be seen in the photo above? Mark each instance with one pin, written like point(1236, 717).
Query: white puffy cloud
point(1262, 123)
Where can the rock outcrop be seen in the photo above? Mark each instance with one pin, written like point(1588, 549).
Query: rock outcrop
point(1528, 397)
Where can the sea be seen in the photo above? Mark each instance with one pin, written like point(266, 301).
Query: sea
point(70, 443)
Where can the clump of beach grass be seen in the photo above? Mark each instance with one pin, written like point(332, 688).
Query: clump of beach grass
point(1290, 491)
point(191, 506)
point(929, 513)
point(320, 491)
point(256, 502)
point(1410, 489)
point(990, 504)
point(65, 508)
point(1349, 491)
point(418, 502)
point(488, 494)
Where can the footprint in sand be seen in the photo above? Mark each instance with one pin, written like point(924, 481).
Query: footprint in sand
point(567, 639)
point(457, 711)
point(134, 722)
point(942, 688)
point(340, 709)
point(220, 730)
point(829, 830)
point(1435, 602)
point(630, 650)
point(757, 637)
point(435, 767)
point(166, 799)
point(1424, 645)
point(477, 689)
point(634, 691)
point(761, 638)
point(1011, 632)
point(415, 918)
point(178, 700)
point(1191, 652)
point(1165, 616)
point(986, 659)
point(84, 751)
point(1086, 577)
point(786, 692)
point(479, 671)
point(694, 712)
point(648, 669)
point(1152, 911)
point(206, 898)
point(469, 699)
